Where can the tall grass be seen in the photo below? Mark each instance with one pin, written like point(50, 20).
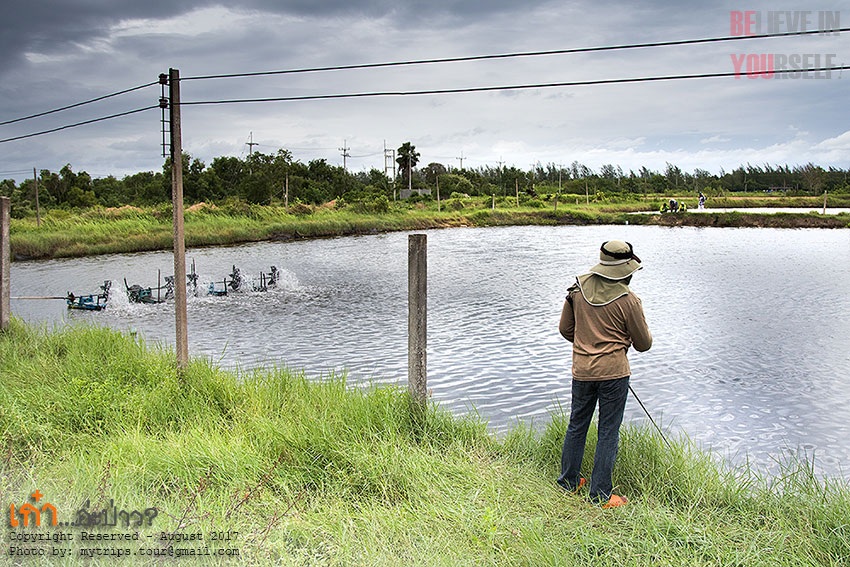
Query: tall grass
point(62, 234)
point(313, 472)
point(130, 229)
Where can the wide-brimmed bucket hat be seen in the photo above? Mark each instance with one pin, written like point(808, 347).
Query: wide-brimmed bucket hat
point(617, 260)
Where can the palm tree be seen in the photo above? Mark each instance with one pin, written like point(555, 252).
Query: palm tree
point(407, 159)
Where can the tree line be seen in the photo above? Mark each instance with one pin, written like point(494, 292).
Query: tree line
point(277, 178)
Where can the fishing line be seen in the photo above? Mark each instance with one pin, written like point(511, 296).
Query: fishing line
point(649, 416)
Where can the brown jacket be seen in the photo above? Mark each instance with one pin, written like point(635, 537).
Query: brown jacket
point(602, 334)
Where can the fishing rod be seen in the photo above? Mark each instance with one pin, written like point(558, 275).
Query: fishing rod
point(649, 416)
point(40, 297)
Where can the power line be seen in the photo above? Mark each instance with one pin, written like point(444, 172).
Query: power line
point(78, 104)
point(420, 62)
point(436, 91)
point(92, 121)
point(507, 87)
point(514, 55)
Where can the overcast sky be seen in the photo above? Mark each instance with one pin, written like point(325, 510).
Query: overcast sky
point(56, 53)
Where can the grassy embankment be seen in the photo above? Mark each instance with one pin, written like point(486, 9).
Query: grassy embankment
point(310, 472)
point(130, 229)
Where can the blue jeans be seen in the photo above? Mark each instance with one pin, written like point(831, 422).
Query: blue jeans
point(611, 395)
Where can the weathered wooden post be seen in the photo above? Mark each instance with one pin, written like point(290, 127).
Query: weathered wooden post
point(417, 317)
point(182, 336)
point(5, 261)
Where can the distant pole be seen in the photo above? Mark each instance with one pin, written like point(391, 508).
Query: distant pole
point(286, 194)
point(251, 143)
point(345, 155)
point(37, 210)
point(438, 193)
point(182, 335)
point(389, 157)
point(5, 261)
point(824, 202)
point(516, 186)
point(417, 316)
point(501, 184)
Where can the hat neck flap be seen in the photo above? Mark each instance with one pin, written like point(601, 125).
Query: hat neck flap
point(599, 291)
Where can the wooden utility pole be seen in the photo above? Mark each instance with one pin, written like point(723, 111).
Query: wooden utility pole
point(5, 262)
point(417, 317)
point(181, 345)
point(37, 211)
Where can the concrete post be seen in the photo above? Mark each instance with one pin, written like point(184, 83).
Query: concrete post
point(182, 336)
point(417, 318)
point(37, 208)
point(5, 262)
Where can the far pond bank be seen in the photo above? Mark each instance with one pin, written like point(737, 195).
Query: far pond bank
point(63, 234)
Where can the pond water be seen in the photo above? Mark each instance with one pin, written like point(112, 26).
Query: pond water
point(751, 326)
point(772, 210)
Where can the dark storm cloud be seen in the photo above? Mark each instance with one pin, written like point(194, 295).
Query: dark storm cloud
point(52, 27)
point(411, 10)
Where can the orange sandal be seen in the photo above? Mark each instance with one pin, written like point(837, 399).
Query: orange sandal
point(615, 502)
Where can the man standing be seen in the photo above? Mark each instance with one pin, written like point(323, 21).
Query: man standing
point(602, 318)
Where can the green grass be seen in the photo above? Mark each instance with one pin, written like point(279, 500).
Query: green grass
point(130, 229)
point(313, 472)
point(99, 231)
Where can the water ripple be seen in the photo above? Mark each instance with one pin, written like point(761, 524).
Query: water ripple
point(751, 333)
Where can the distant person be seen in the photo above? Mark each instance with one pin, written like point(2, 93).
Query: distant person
point(701, 201)
point(602, 318)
